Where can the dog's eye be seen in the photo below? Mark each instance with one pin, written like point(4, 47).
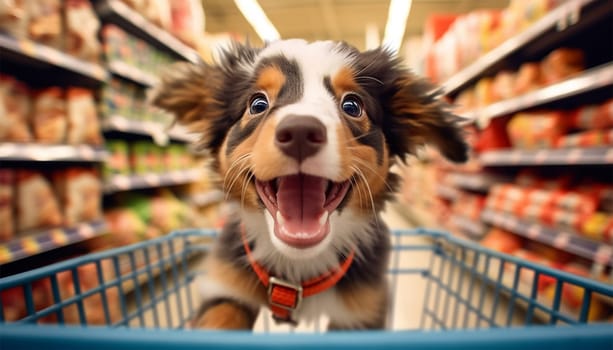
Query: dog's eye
point(259, 104)
point(352, 106)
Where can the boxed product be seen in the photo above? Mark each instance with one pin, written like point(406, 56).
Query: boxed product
point(45, 22)
point(83, 125)
point(536, 129)
point(49, 116)
point(14, 110)
point(79, 192)
point(36, 204)
point(118, 162)
point(585, 139)
point(7, 227)
point(82, 26)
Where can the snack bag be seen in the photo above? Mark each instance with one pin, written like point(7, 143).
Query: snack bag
point(7, 227)
point(14, 16)
point(79, 191)
point(49, 117)
point(82, 26)
point(14, 110)
point(83, 125)
point(37, 206)
point(536, 130)
point(45, 22)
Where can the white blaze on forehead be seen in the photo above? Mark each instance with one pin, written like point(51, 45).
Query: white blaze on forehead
point(316, 61)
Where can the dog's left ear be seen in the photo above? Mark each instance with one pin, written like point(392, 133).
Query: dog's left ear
point(418, 116)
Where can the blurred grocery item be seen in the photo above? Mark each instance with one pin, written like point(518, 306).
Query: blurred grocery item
point(82, 25)
point(49, 120)
point(36, 205)
point(536, 129)
point(15, 107)
point(79, 191)
point(7, 194)
point(83, 124)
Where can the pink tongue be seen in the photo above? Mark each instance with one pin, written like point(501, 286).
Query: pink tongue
point(301, 199)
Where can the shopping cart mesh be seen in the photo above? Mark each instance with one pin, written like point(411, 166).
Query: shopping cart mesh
point(439, 282)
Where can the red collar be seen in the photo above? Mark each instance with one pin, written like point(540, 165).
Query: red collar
point(285, 297)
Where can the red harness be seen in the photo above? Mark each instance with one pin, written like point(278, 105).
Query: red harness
point(285, 297)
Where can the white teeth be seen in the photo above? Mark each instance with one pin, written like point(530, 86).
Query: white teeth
point(323, 218)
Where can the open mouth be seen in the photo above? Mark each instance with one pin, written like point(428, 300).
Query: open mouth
point(301, 205)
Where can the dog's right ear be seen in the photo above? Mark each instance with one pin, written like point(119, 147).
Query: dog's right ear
point(190, 92)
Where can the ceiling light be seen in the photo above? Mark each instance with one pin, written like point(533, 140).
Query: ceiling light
point(254, 14)
point(396, 23)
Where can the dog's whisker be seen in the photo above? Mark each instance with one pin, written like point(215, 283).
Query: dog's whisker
point(373, 171)
point(369, 192)
point(235, 174)
point(367, 77)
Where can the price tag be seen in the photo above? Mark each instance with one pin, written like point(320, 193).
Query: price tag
point(609, 156)
point(5, 254)
point(86, 231)
point(87, 152)
point(58, 237)
point(604, 254)
point(177, 176)
point(27, 47)
point(561, 240)
point(574, 156)
point(152, 179)
point(98, 73)
point(516, 156)
point(54, 57)
point(30, 245)
point(540, 157)
point(533, 231)
point(121, 182)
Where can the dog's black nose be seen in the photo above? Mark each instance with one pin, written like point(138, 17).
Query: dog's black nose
point(300, 136)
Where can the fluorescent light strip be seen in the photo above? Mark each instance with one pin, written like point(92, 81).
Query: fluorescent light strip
point(254, 14)
point(396, 23)
point(372, 36)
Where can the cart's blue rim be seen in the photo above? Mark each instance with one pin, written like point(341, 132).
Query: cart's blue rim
point(33, 275)
point(592, 337)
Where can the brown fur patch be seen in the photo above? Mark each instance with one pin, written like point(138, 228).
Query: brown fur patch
point(367, 302)
point(271, 80)
point(344, 81)
point(227, 316)
point(243, 282)
point(266, 155)
point(371, 186)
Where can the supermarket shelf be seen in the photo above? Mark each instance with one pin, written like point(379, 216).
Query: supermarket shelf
point(117, 12)
point(551, 21)
point(561, 239)
point(43, 241)
point(119, 183)
point(477, 182)
point(588, 81)
point(132, 73)
point(207, 198)
point(27, 49)
point(567, 156)
point(157, 131)
point(447, 192)
point(474, 229)
point(51, 153)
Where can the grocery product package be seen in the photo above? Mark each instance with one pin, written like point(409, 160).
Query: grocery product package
point(79, 192)
point(36, 204)
point(14, 110)
point(14, 17)
point(49, 120)
point(533, 130)
point(118, 162)
point(83, 124)
point(82, 25)
point(187, 20)
point(561, 64)
point(45, 22)
point(7, 227)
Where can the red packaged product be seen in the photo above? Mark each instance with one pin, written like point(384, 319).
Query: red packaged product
point(561, 64)
point(536, 130)
point(586, 139)
point(528, 78)
point(593, 117)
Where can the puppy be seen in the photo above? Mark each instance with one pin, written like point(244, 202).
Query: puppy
point(303, 136)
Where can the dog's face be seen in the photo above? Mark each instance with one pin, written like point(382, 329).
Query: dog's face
point(305, 133)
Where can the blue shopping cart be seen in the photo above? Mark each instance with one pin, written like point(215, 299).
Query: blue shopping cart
point(143, 296)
